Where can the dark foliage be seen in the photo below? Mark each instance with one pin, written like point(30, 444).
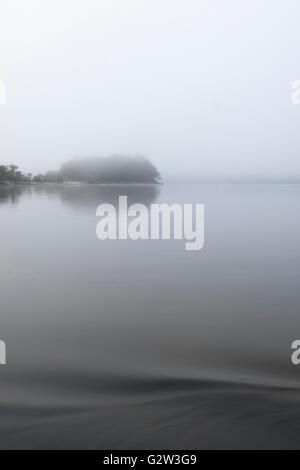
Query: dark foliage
point(11, 174)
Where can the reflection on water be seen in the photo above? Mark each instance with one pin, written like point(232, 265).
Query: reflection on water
point(92, 195)
point(140, 344)
point(12, 194)
point(83, 195)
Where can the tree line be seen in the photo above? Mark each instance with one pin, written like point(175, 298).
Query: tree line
point(12, 174)
point(111, 169)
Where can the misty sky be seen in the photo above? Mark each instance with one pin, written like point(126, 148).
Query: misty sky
point(202, 87)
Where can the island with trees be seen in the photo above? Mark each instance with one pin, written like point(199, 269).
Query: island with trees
point(115, 169)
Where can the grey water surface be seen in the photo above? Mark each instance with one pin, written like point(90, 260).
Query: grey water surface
point(123, 344)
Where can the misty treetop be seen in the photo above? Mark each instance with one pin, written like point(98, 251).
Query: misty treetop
point(112, 169)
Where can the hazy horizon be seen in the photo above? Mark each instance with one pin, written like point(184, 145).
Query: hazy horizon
point(203, 90)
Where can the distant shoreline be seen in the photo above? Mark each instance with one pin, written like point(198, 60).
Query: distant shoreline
point(71, 184)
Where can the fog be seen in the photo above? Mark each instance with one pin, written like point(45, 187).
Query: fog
point(202, 88)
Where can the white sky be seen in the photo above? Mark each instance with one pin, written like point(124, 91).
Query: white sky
point(202, 87)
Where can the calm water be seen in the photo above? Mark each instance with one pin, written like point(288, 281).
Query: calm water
point(140, 344)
